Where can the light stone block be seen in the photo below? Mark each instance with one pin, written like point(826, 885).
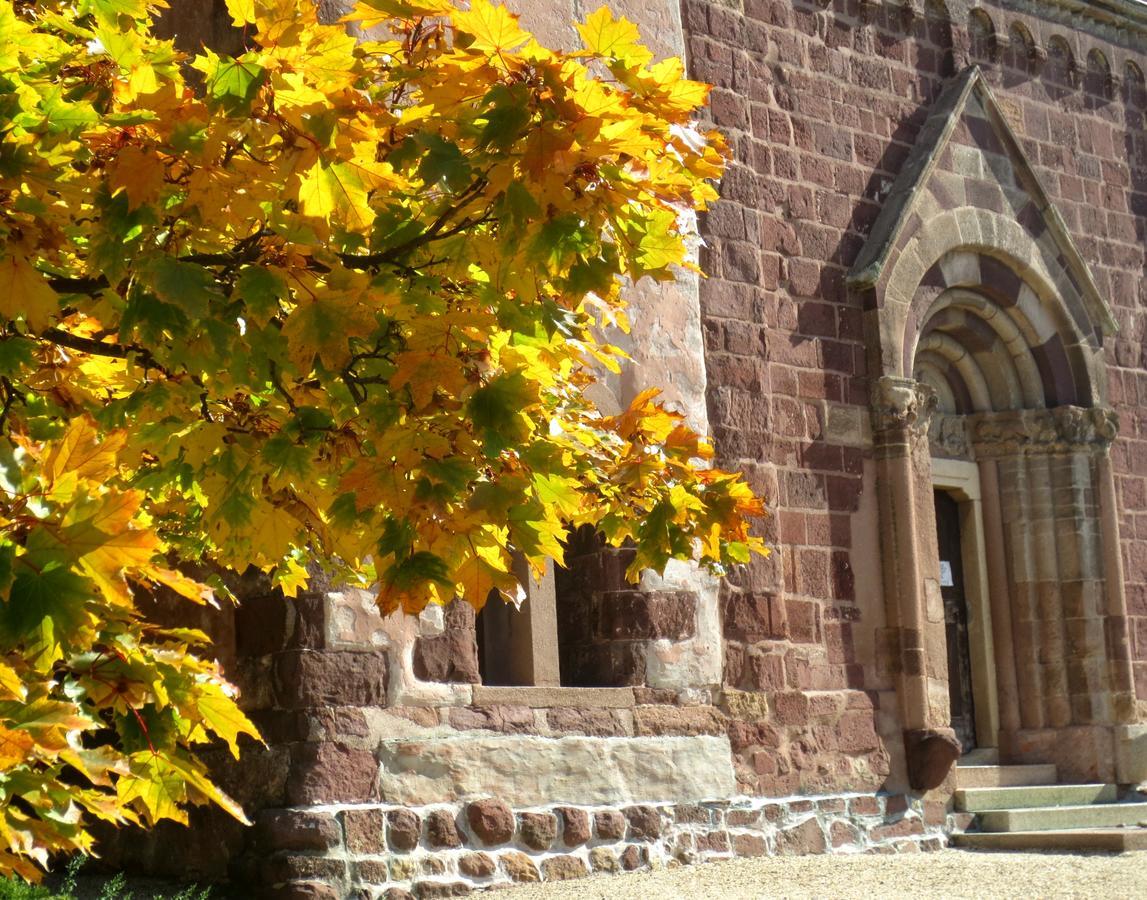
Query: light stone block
point(534, 771)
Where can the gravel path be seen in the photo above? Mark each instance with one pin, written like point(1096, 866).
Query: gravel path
point(947, 873)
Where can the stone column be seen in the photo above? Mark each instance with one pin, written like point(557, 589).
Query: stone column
point(999, 598)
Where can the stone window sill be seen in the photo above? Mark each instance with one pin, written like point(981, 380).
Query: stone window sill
point(547, 697)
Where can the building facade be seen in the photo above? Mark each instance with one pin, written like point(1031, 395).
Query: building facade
point(922, 338)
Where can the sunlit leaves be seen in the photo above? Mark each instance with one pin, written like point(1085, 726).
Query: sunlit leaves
point(327, 301)
point(78, 659)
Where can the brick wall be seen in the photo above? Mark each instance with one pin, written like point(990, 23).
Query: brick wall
point(822, 106)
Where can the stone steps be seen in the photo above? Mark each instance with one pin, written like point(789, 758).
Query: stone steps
point(1063, 818)
point(1023, 808)
point(1032, 796)
point(1005, 776)
point(1109, 840)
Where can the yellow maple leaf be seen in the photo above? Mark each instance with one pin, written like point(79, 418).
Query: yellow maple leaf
point(85, 452)
point(15, 747)
point(24, 293)
point(613, 38)
point(138, 172)
point(494, 28)
point(242, 12)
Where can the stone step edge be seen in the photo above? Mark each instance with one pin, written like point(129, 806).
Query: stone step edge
point(1080, 839)
point(1109, 794)
point(1131, 811)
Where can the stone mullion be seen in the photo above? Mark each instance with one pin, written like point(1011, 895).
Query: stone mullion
point(1015, 520)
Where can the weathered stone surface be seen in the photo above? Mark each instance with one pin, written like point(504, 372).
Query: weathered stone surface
point(602, 859)
point(749, 845)
point(519, 867)
point(283, 869)
point(452, 656)
point(801, 839)
point(563, 868)
point(609, 824)
point(843, 834)
point(644, 822)
point(535, 771)
point(307, 890)
point(364, 831)
point(441, 830)
point(477, 865)
point(538, 830)
point(319, 678)
point(634, 857)
point(331, 773)
point(575, 825)
point(491, 821)
point(433, 865)
point(596, 722)
point(285, 829)
point(646, 615)
point(665, 720)
point(370, 871)
point(404, 829)
point(931, 755)
point(402, 868)
point(397, 893)
point(429, 889)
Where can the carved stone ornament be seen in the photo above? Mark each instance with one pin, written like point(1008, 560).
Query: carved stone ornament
point(948, 437)
point(1062, 429)
point(902, 404)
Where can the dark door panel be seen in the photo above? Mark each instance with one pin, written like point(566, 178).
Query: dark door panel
point(955, 619)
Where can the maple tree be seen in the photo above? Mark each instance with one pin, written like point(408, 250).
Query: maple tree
point(336, 299)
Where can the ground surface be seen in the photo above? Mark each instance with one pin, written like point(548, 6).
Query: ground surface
point(948, 873)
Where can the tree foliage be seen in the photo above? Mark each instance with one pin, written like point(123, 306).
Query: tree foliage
point(334, 299)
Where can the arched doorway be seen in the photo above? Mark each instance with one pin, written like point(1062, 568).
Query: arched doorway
point(988, 384)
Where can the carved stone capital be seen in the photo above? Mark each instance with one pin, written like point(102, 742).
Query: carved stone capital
point(1062, 429)
point(901, 405)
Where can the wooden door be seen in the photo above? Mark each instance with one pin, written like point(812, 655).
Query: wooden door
point(955, 619)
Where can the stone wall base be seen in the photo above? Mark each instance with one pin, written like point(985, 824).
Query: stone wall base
point(451, 849)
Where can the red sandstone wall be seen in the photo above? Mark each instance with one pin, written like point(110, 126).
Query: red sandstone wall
point(821, 111)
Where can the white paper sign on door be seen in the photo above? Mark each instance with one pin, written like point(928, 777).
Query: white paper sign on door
point(946, 574)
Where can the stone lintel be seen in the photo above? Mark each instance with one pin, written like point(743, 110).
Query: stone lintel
point(551, 697)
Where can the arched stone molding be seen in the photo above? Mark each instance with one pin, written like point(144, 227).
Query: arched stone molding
point(986, 332)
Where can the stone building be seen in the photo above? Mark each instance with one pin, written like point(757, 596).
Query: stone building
point(922, 338)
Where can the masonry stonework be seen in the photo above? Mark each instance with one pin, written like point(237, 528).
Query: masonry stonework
point(928, 259)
